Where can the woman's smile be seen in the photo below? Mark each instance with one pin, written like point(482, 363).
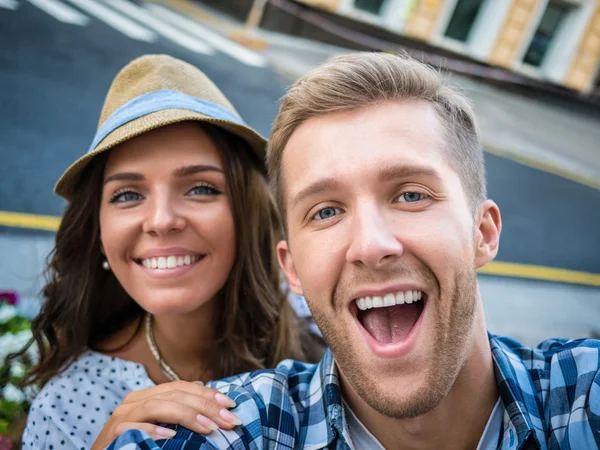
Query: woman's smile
point(170, 266)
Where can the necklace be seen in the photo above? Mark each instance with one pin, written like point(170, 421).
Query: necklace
point(164, 367)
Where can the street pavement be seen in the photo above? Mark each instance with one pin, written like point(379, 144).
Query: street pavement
point(57, 59)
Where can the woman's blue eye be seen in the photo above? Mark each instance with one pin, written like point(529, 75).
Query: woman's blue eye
point(326, 213)
point(128, 196)
point(204, 190)
point(410, 197)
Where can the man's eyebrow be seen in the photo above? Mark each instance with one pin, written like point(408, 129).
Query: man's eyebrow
point(194, 169)
point(179, 172)
point(395, 172)
point(386, 174)
point(315, 188)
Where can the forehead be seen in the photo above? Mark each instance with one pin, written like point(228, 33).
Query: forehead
point(164, 148)
point(356, 144)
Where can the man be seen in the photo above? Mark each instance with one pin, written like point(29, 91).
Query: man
point(378, 172)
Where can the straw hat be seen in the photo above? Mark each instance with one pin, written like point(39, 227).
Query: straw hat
point(153, 91)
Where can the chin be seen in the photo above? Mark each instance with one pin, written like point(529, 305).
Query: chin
point(171, 303)
point(400, 396)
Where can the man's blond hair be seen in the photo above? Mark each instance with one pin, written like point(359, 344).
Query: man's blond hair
point(357, 80)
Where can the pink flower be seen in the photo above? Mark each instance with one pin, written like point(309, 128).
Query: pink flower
point(11, 298)
point(6, 443)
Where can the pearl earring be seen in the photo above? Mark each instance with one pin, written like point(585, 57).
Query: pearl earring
point(105, 265)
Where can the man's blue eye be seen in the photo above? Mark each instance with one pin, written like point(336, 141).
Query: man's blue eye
point(204, 190)
point(326, 213)
point(410, 197)
point(128, 196)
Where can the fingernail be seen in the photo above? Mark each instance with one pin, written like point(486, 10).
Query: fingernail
point(206, 422)
point(165, 432)
point(224, 400)
point(199, 382)
point(229, 417)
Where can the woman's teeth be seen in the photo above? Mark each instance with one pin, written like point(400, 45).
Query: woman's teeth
point(169, 262)
point(399, 298)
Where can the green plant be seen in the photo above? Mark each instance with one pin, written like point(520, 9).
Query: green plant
point(15, 332)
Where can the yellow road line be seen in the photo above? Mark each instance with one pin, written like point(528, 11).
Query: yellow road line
point(32, 221)
point(36, 222)
point(197, 13)
point(540, 273)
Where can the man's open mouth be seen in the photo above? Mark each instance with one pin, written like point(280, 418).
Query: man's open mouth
point(389, 319)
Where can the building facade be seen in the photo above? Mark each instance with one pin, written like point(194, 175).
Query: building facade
point(553, 40)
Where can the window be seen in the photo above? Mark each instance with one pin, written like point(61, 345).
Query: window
point(372, 6)
point(551, 20)
point(462, 19)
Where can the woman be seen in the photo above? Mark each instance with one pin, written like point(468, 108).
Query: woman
point(164, 271)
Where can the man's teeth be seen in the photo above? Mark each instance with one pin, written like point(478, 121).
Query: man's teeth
point(169, 262)
point(399, 298)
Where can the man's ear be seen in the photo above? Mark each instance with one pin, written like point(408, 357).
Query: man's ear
point(287, 265)
point(487, 234)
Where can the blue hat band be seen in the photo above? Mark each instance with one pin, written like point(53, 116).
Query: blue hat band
point(157, 101)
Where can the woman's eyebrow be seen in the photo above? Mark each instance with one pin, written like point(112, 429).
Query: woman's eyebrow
point(183, 171)
point(124, 176)
point(197, 168)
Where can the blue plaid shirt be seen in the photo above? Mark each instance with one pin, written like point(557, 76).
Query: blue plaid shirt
point(551, 397)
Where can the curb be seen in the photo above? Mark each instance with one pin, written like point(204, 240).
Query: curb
point(541, 165)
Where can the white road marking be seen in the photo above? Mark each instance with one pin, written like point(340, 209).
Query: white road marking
point(221, 43)
point(61, 12)
point(9, 4)
point(116, 20)
point(144, 16)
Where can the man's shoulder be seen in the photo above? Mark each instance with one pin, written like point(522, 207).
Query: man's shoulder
point(268, 402)
point(576, 356)
point(572, 371)
point(556, 385)
point(289, 376)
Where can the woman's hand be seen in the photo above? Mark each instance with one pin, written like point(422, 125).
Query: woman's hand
point(192, 405)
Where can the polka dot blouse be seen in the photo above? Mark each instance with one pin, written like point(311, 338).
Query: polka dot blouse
point(73, 407)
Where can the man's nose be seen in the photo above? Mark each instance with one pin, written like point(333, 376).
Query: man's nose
point(373, 242)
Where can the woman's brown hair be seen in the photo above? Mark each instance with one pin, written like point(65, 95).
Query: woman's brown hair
point(84, 304)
